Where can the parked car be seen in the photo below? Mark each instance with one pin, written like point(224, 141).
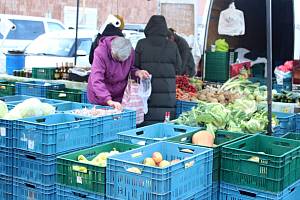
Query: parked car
point(27, 28)
point(58, 47)
point(135, 27)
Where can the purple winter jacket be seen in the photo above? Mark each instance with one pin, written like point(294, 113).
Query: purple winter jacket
point(108, 78)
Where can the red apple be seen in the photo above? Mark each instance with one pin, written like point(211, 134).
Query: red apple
point(157, 157)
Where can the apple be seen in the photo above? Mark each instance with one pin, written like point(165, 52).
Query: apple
point(164, 163)
point(157, 157)
point(149, 162)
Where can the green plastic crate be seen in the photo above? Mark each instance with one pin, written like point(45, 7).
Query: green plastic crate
point(292, 136)
point(89, 177)
point(7, 88)
point(217, 65)
point(258, 70)
point(65, 94)
point(261, 162)
point(221, 138)
point(43, 73)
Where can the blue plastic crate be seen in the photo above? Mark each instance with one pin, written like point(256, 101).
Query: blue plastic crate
point(37, 88)
point(69, 193)
point(154, 133)
point(6, 188)
point(191, 174)
point(205, 194)
point(287, 122)
point(69, 106)
point(54, 134)
point(233, 192)
point(6, 133)
point(84, 98)
point(215, 190)
point(8, 99)
point(286, 85)
point(113, 124)
point(35, 168)
point(25, 190)
point(298, 123)
point(278, 132)
point(184, 106)
point(6, 160)
point(107, 126)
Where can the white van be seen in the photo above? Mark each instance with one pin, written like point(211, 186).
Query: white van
point(27, 28)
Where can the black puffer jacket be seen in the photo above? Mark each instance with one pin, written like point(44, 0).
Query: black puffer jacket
point(188, 64)
point(161, 58)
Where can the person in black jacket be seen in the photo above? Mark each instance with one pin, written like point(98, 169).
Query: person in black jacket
point(110, 30)
point(160, 57)
point(188, 64)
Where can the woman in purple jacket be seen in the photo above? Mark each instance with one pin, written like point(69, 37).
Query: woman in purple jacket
point(113, 61)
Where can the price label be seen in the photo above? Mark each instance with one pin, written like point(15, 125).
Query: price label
point(30, 144)
point(3, 132)
point(79, 180)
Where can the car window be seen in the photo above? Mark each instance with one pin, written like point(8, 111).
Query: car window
point(51, 46)
point(85, 44)
point(26, 30)
point(52, 26)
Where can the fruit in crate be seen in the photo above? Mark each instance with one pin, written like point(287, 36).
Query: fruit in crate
point(149, 162)
point(157, 157)
point(100, 160)
point(164, 163)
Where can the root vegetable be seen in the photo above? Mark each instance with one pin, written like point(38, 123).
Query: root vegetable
point(203, 138)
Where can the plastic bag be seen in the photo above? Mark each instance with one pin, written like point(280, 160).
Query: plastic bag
point(133, 101)
point(222, 45)
point(231, 22)
point(280, 76)
point(145, 89)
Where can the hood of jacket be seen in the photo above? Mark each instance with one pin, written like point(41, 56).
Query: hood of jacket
point(157, 26)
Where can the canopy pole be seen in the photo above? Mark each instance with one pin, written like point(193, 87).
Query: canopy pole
point(269, 62)
point(76, 36)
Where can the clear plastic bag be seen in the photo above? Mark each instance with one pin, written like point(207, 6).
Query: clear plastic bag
point(231, 22)
point(145, 89)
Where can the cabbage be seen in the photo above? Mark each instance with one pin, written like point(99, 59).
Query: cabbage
point(3, 109)
point(47, 109)
point(13, 115)
point(32, 107)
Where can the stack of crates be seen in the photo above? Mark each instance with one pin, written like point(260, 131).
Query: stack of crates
point(37, 141)
point(217, 65)
point(124, 176)
point(287, 123)
point(221, 138)
point(6, 155)
point(260, 167)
